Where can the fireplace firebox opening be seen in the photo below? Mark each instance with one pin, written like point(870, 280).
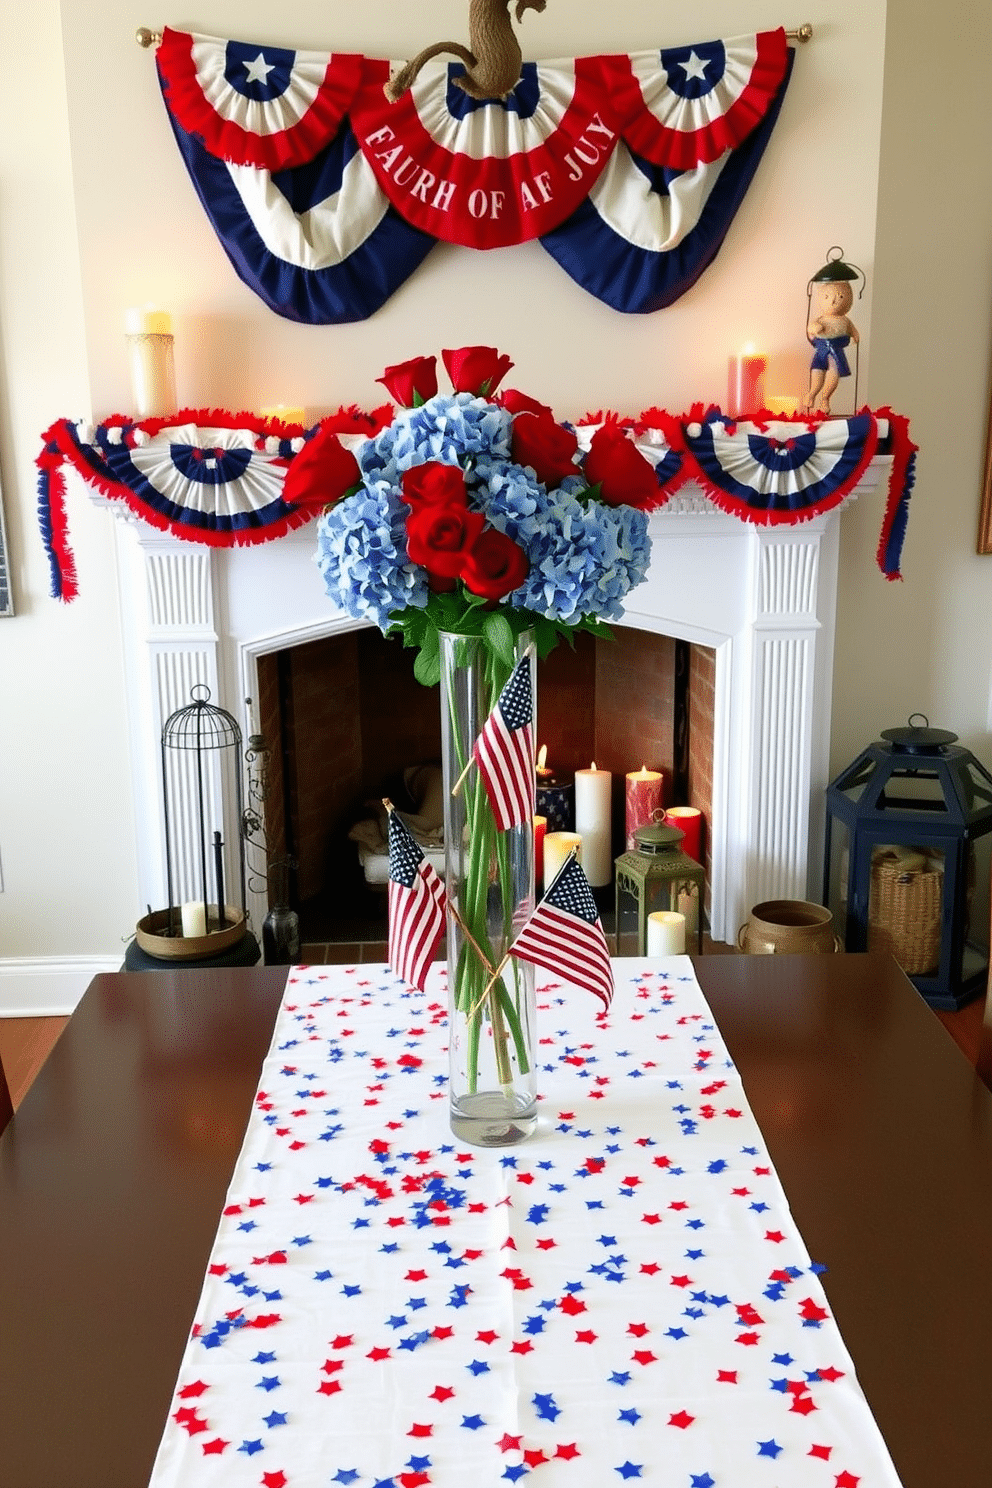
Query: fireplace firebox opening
point(345, 721)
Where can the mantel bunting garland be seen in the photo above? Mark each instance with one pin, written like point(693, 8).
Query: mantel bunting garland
point(214, 477)
point(628, 169)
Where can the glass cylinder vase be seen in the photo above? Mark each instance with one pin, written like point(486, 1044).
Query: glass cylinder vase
point(490, 894)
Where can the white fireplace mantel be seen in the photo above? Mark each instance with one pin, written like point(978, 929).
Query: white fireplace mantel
point(763, 598)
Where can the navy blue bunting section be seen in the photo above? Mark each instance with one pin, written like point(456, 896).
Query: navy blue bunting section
point(684, 215)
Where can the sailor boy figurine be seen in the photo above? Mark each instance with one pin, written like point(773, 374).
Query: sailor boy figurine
point(829, 330)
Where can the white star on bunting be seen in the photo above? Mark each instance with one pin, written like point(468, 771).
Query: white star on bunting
point(258, 71)
point(695, 67)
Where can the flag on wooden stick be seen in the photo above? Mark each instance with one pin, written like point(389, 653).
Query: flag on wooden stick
point(416, 905)
point(504, 750)
point(565, 934)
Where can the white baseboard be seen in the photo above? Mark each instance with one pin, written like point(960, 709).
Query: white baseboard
point(50, 986)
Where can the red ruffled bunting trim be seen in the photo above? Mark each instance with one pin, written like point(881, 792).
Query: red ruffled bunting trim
point(761, 517)
point(61, 447)
point(678, 466)
point(228, 140)
point(478, 197)
point(682, 149)
point(902, 478)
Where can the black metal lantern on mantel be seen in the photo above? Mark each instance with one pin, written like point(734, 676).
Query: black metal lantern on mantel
point(899, 866)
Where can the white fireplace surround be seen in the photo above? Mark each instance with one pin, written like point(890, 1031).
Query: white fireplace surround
point(763, 598)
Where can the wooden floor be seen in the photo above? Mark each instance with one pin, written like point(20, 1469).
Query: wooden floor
point(25, 1043)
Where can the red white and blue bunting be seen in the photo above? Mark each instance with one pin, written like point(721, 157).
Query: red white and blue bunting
point(217, 478)
point(628, 169)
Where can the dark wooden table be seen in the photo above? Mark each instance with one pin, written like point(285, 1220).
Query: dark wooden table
point(114, 1171)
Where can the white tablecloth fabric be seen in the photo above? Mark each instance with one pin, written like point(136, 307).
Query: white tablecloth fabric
point(623, 1296)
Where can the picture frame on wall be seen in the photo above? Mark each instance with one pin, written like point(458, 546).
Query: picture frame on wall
point(985, 510)
point(6, 595)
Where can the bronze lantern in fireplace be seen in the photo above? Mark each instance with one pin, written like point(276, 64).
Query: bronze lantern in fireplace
point(657, 876)
point(899, 861)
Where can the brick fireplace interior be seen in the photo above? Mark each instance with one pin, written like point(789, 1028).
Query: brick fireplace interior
point(344, 716)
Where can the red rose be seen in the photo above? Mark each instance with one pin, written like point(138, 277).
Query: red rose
point(545, 446)
point(476, 369)
point(438, 537)
point(517, 402)
point(411, 383)
point(433, 484)
point(495, 566)
point(626, 477)
point(322, 472)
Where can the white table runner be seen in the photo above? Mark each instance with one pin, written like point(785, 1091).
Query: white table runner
point(623, 1296)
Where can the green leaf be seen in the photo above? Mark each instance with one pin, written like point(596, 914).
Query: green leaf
point(546, 636)
point(498, 635)
point(427, 667)
point(597, 628)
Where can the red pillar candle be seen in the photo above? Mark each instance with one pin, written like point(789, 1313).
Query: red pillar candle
point(540, 827)
point(746, 384)
point(643, 800)
point(690, 821)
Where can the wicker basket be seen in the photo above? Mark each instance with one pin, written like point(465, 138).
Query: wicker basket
point(904, 911)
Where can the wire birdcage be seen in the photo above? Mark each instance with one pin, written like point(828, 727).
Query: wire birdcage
point(204, 808)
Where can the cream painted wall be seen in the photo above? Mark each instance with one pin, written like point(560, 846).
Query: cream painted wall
point(66, 838)
point(925, 644)
point(121, 225)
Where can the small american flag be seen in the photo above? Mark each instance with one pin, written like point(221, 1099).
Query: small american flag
point(416, 906)
point(504, 751)
point(565, 935)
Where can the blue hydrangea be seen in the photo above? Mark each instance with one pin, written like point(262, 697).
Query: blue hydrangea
point(361, 552)
point(457, 429)
point(584, 557)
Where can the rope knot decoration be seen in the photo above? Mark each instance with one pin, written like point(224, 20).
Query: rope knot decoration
point(492, 59)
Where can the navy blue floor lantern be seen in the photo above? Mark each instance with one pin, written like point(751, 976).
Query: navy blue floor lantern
point(899, 862)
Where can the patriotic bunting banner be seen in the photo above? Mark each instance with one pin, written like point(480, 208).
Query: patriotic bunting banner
point(628, 169)
point(217, 478)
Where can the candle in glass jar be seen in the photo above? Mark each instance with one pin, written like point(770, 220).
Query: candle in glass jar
point(666, 933)
point(593, 822)
point(642, 798)
point(746, 383)
point(557, 846)
point(150, 356)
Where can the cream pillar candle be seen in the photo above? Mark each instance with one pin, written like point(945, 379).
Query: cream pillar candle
point(194, 920)
point(666, 933)
point(153, 377)
point(593, 822)
point(557, 846)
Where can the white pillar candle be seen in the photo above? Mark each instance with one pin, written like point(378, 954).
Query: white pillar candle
point(194, 919)
point(557, 846)
point(666, 933)
point(153, 377)
point(593, 822)
point(689, 909)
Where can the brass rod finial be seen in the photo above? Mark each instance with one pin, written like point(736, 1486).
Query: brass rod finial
point(146, 38)
point(801, 33)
